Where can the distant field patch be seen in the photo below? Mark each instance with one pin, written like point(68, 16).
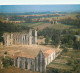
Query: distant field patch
point(58, 26)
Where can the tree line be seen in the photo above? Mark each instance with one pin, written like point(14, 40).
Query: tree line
point(9, 27)
point(70, 21)
point(66, 38)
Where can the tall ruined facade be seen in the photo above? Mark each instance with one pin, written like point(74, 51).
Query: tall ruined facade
point(20, 38)
point(37, 63)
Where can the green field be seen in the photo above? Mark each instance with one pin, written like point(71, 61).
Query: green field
point(62, 60)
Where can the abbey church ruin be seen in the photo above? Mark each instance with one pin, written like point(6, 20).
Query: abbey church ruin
point(20, 38)
point(25, 54)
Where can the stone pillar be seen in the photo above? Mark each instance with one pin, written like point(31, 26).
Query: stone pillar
point(22, 39)
point(33, 65)
point(36, 64)
point(35, 37)
point(15, 39)
point(8, 40)
point(14, 62)
point(27, 39)
point(18, 62)
point(19, 39)
point(11, 38)
point(5, 39)
point(22, 63)
point(29, 64)
point(30, 37)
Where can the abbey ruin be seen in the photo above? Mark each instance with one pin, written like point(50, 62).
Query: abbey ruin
point(35, 63)
point(25, 54)
point(20, 38)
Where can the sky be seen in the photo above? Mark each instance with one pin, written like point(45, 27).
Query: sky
point(20, 6)
point(11, 2)
point(37, 8)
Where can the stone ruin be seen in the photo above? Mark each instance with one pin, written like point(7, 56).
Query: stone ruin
point(20, 38)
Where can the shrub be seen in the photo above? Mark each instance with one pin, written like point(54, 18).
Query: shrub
point(5, 52)
point(47, 40)
point(7, 62)
point(65, 50)
point(70, 62)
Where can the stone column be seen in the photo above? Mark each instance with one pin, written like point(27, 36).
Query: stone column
point(27, 39)
point(23, 63)
point(22, 39)
point(35, 38)
point(15, 39)
point(14, 62)
point(28, 66)
point(5, 39)
point(11, 38)
point(36, 64)
point(30, 37)
point(18, 62)
point(8, 40)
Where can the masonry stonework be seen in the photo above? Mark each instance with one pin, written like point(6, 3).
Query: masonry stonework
point(37, 63)
point(36, 60)
point(20, 38)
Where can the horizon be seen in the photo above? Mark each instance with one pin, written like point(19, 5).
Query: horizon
point(39, 8)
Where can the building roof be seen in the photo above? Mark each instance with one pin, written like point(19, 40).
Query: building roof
point(28, 51)
point(48, 52)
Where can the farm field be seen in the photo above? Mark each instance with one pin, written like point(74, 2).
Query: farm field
point(61, 61)
point(58, 26)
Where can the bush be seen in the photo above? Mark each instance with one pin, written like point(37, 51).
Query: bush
point(54, 71)
point(47, 40)
point(70, 62)
point(7, 62)
point(65, 50)
point(67, 72)
point(5, 52)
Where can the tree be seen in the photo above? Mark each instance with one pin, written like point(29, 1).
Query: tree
point(5, 53)
point(7, 62)
point(56, 39)
point(47, 40)
point(77, 45)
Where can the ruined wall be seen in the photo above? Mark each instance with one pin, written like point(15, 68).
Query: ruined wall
point(21, 38)
point(24, 63)
point(8, 39)
point(50, 58)
point(38, 64)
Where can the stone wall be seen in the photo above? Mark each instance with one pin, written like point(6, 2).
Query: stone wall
point(38, 63)
point(24, 63)
point(21, 38)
